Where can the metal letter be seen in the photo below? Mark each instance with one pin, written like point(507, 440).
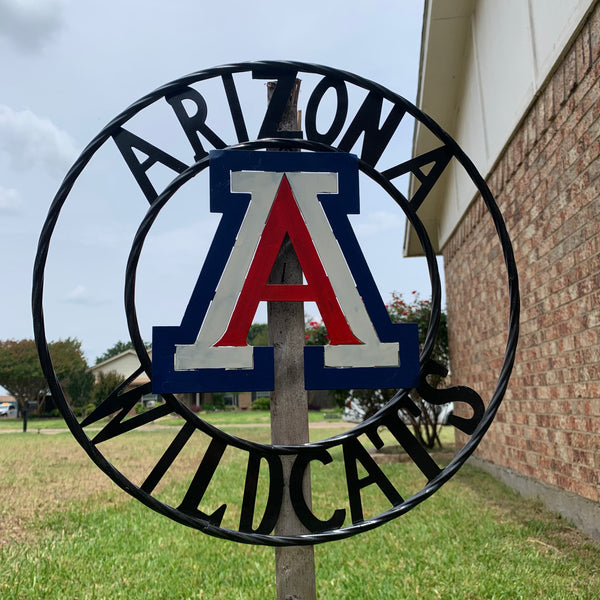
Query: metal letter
point(273, 506)
point(353, 452)
point(126, 142)
point(195, 124)
point(367, 121)
point(341, 110)
point(301, 508)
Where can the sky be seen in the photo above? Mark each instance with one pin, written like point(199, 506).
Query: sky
point(68, 67)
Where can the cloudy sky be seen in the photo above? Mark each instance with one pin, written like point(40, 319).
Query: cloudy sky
point(68, 67)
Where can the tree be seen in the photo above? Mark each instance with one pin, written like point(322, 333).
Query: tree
point(315, 333)
point(258, 334)
point(426, 423)
point(419, 311)
point(79, 388)
point(21, 372)
point(106, 384)
point(118, 348)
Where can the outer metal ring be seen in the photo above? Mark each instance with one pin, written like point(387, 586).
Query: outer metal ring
point(151, 501)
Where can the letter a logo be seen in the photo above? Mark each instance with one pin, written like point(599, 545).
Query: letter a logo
point(264, 197)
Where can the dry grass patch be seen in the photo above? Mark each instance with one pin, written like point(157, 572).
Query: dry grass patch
point(40, 474)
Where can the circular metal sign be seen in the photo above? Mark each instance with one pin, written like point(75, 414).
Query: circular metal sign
point(263, 196)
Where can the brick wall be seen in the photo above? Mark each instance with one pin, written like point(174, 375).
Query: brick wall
point(547, 184)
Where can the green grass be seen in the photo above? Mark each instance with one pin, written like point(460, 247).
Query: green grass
point(32, 424)
point(73, 534)
point(251, 417)
point(219, 418)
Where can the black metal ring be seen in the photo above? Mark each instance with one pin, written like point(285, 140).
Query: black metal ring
point(140, 347)
point(268, 67)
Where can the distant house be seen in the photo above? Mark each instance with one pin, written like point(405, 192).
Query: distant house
point(126, 363)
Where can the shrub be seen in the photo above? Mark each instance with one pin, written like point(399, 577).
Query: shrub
point(80, 411)
point(219, 400)
point(262, 403)
point(106, 384)
point(426, 425)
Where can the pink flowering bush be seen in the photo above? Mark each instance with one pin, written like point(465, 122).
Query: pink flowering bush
point(426, 425)
point(419, 311)
point(315, 333)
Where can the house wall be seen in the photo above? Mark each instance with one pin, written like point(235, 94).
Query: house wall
point(547, 185)
point(245, 400)
point(483, 64)
point(124, 364)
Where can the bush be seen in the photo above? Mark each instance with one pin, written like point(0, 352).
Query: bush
point(262, 403)
point(80, 411)
point(427, 424)
point(105, 385)
point(219, 400)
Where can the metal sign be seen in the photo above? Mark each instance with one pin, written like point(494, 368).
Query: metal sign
point(263, 197)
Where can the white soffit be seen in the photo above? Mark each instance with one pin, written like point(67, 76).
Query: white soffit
point(446, 28)
point(482, 64)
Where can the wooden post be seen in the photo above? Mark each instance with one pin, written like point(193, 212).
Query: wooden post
point(294, 566)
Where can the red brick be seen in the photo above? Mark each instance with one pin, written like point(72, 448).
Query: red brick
point(547, 185)
point(570, 71)
point(593, 37)
point(583, 53)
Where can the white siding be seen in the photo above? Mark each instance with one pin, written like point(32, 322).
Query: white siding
point(504, 50)
point(124, 364)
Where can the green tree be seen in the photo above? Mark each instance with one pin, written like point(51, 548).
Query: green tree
point(79, 388)
point(315, 333)
point(258, 334)
point(426, 423)
point(106, 384)
point(118, 348)
point(21, 373)
point(419, 311)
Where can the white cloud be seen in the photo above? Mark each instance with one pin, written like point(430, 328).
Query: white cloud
point(32, 141)
point(10, 201)
point(29, 24)
point(81, 295)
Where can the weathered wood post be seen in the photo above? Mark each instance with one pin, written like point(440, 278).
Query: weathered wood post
point(294, 566)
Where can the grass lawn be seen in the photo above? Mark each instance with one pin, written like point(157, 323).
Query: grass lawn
point(32, 424)
point(66, 531)
point(219, 418)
